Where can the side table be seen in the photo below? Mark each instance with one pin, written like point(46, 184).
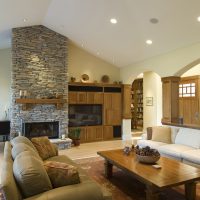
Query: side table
point(62, 143)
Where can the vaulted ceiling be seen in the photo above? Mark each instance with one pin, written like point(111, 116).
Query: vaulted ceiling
point(87, 23)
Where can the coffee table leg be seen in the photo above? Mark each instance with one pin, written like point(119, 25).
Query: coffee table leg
point(190, 191)
point(152, 193)
point(108, 169)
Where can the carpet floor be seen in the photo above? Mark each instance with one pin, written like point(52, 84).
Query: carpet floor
point(124, 187)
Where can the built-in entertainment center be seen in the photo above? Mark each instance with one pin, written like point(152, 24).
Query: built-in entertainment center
point(96, 109)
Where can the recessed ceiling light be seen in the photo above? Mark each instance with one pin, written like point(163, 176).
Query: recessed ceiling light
point(25, 20)
point(198, 19)
point(154, 20)
point(113, 21)
point(149, 42)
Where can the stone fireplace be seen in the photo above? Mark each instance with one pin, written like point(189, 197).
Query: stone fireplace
point(39, 66)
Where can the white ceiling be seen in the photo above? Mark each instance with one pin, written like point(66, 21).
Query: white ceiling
point(87, 22)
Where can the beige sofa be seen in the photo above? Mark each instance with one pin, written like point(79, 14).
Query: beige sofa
point(184, 146)
point(87, 189)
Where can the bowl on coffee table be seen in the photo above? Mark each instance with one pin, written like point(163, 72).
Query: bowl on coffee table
point(147, 155)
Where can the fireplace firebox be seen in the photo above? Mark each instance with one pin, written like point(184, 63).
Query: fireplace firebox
point(38, 129)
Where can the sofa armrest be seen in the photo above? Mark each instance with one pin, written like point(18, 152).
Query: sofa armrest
point(82, 191)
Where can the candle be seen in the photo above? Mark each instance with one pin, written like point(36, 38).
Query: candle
point(25, 93)
point(20, 93)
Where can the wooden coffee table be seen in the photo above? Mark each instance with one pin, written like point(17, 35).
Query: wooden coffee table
point(172, 173)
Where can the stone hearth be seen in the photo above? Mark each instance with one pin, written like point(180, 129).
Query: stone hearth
point(39, 66)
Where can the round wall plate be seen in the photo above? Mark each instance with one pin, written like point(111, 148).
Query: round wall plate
point(84, 78)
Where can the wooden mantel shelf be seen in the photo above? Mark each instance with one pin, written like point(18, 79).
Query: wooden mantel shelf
point(57, 102)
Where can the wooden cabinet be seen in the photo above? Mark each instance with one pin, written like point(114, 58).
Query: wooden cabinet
point(107, 132)
point(72, 97)
point(94, 97)
point(81, 97)
point(94, 133)
point(126, 103)
point(85, 98)
point(112, 108)
point(170, 88)
point(77, 97)
point(104, 104)
point(90, 133)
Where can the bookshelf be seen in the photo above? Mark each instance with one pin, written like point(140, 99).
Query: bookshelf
point(137, 104)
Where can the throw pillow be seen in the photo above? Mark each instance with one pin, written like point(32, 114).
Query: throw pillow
point(61, 174)
point(31, 176)
point(20, 148)
point(22, 139)
point(161, 134)
point(44, 147)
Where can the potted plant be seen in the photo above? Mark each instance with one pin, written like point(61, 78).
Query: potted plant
point(74, 134)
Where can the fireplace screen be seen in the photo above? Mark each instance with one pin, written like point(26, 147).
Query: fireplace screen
point(38, 129)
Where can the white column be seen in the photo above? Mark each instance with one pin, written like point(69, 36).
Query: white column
point(126, 129)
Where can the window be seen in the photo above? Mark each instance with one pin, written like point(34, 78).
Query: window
point(187, 90)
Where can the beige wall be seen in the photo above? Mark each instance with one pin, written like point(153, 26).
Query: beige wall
point(193, 71)
point(5, 81)
point(82, 62)
point(165, 65)
point(152, 87)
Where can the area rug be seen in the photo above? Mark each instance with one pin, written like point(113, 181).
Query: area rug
point(124, 187)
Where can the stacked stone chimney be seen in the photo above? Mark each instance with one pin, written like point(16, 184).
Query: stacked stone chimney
point(39, 66)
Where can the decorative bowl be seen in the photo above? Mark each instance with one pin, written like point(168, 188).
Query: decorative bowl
point(148, 159)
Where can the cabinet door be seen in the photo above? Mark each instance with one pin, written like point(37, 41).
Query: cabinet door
point(91, 133)
point(90, 97)
point(99, 133)
point(116, 108)
point(83, 135)
point(94, 97)
point(72, 97)
point(81, 97)
point(112, 109)
point(107, 132)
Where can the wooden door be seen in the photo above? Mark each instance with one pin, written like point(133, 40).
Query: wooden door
point(72, 97)
point(112, 108)
point(107, 132)
point(81, 98)
point(116, 108)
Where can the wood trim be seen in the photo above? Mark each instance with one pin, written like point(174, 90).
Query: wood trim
point(57, 102)
point(95, 84)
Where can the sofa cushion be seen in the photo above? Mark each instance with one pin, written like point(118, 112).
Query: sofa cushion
point(22, 139)
point(174, 150)
point(161, 134)
point(189, 137)
point(31, 175)
point(8, 185)
point(7, 151)
point(174, 132)
point(61, 174)
point(22, 147)
point(192, 156)
point(150, 143)
point(44, 147)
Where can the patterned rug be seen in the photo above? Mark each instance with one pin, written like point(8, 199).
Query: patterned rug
point(124, 187)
